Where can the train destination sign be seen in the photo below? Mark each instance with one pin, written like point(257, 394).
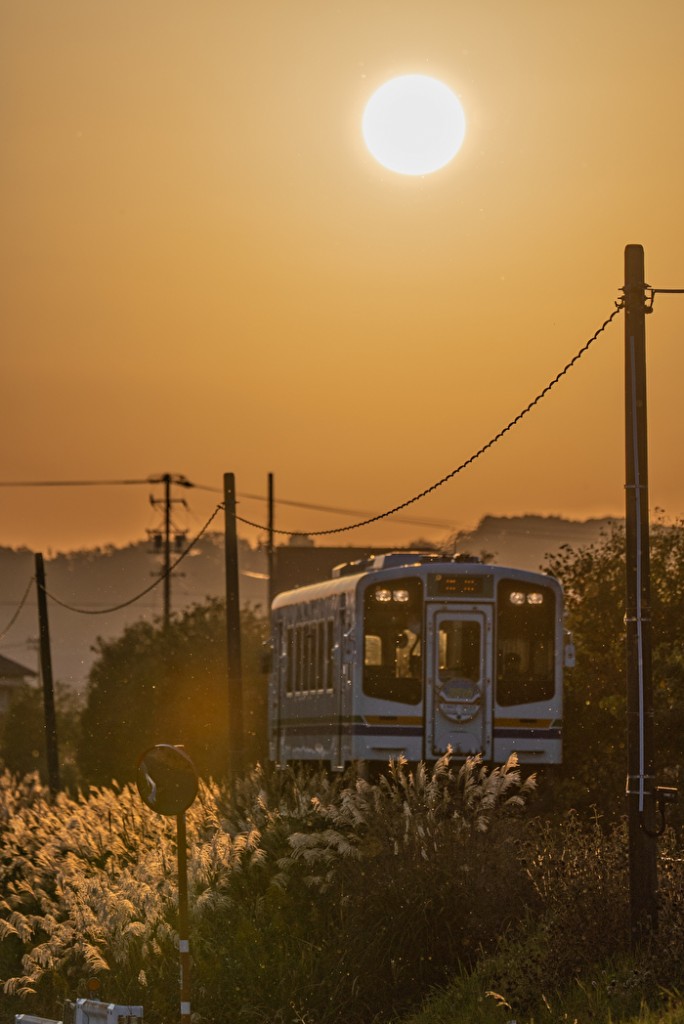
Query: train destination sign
point(444, 584)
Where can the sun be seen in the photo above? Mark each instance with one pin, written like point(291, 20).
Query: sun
point(413, 124)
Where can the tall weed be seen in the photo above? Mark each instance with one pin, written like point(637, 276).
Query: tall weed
point(315, 901)
point(310, 899)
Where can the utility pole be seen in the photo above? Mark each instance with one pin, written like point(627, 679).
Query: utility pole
point(54, 781)
point(235, 709)
point(167, 550)
point(271, 542)
point(640, 752)
point(163, 539)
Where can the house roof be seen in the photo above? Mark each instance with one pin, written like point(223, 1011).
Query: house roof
point(13, 670)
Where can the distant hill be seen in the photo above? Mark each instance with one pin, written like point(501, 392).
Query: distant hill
point(525, 541)
point(100, 578)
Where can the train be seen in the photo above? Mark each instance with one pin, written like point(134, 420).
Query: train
point(412, 655)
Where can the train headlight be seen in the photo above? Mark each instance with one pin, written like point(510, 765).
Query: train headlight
point(517, 597)
point(401, 596)
point(383, 595)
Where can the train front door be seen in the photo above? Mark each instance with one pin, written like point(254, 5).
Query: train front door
point(458, 693)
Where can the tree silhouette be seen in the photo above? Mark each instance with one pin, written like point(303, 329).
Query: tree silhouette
point(154, 685)
point(595, 725)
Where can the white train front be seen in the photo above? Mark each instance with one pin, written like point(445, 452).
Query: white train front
point(410, 654)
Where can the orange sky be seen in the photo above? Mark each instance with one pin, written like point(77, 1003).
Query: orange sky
point(203, 270)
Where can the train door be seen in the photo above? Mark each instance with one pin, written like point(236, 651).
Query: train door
point(458, 693)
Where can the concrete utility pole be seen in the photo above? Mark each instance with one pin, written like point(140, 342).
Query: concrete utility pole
point(167, 550)
point(54, 781)
point(167, 479)
point(641, 768)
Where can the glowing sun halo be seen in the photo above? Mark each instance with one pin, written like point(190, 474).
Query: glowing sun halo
point(413, 124)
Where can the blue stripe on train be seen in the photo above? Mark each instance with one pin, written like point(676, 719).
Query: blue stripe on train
point(351, 729)
point(528, 734)
point(360, 729)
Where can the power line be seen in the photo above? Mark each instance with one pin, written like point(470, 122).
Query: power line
point(344, 511)
point(182, 481)
point(71, 483)
point(177, 478)
point(469, 461)
point(160, 578)
point(17, 611)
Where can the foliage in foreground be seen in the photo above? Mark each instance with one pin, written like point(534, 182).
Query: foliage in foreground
point(574, 961)
point(299, 886)
point(316, 901)
point(612, 994)
point(594, 730)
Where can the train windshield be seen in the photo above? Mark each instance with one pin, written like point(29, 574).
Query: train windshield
point(526, 618)
point(392, 640)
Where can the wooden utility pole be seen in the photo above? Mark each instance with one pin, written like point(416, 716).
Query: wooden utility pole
point(235, 711)
point(271, 543)
point(641, 768)
point(54, 781)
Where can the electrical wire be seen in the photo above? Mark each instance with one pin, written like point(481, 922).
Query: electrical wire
point(162, 576)
point(468, 462)
point(183, 481)
point(17, 612)
point(177, 479)
point(70, 483)
point(343, 511)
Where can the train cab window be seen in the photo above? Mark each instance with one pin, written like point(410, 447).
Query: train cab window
point(526, 618)
point(393, 626)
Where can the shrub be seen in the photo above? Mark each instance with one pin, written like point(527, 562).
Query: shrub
point(581, 925)
point(419, 873)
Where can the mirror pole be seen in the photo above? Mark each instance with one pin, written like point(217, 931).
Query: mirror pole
point(183, 929)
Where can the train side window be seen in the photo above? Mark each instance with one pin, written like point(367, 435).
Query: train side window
point(301, 673)
point(291, 659)
point(301, 659)
point(310, 658)
point(320, 656)
point(330, 655)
